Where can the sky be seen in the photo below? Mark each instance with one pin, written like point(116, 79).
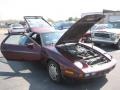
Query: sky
point(54, 9)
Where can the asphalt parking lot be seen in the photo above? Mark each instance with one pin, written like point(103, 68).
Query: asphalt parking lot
point(16, 75)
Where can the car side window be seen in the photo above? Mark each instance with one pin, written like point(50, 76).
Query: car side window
point(24, 40)
point(17, 40)
point(13, 39)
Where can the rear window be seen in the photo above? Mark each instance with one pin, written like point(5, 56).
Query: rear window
point(37, 22)
point(17, 40)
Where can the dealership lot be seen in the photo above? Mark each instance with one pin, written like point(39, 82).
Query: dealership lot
point(16, 75)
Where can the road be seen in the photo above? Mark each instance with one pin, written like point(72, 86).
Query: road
point(16, 75)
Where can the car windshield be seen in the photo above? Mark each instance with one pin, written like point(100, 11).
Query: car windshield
point(115, 24)
point(102, 26)
point(51, 38)
point(37, 22)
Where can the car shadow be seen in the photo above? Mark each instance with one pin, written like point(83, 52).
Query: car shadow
point(39, 80)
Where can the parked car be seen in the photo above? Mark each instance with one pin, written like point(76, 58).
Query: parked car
point(61, 51)
point(107, 36)
point(97, 27)
point(63, 25)
point(16, 28)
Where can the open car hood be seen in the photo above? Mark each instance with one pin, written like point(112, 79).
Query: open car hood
point(77, 30)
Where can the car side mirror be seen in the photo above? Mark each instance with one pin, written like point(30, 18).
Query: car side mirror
point(30, 45)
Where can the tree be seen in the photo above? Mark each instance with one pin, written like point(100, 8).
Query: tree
point(70, 19)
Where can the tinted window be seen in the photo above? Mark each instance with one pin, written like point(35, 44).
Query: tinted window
point(17, 40)
point(51, 37)
point(13, 39)
point(102, 26)
point(37, 22)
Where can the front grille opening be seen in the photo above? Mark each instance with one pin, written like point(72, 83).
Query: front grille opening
point(103, 35)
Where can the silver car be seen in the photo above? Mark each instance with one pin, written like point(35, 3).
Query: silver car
point(109, 36)
point(16, 28)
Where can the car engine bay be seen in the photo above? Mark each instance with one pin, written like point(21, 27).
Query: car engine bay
point(85, 54)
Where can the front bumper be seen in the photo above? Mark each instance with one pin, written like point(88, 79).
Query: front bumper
point(98, 70)
point(97, 74)
point(91, 71)
point(105, 41)
point(89, 75)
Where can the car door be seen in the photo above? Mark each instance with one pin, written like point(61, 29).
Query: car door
point(20, 47)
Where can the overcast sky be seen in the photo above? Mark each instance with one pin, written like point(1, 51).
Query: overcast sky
point(55, 9)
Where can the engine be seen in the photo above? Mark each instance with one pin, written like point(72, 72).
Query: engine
point(86, 54)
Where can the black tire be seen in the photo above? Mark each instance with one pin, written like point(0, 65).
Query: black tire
point(118, 45)
point(54, 71)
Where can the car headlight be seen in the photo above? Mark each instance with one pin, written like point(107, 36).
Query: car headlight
point(78, 64)
point(113, 36)
point(92, 35)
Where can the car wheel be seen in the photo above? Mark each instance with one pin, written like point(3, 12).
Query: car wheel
point(54, 71)
point(118, 45)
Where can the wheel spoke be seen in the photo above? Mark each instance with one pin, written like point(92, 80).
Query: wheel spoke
point(53, 71)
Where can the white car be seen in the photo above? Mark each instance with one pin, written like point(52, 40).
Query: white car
point(16, 28)
point(96, 27)
point(107, 36)
point(101, 26)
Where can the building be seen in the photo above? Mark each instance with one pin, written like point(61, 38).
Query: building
point(112, 17)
